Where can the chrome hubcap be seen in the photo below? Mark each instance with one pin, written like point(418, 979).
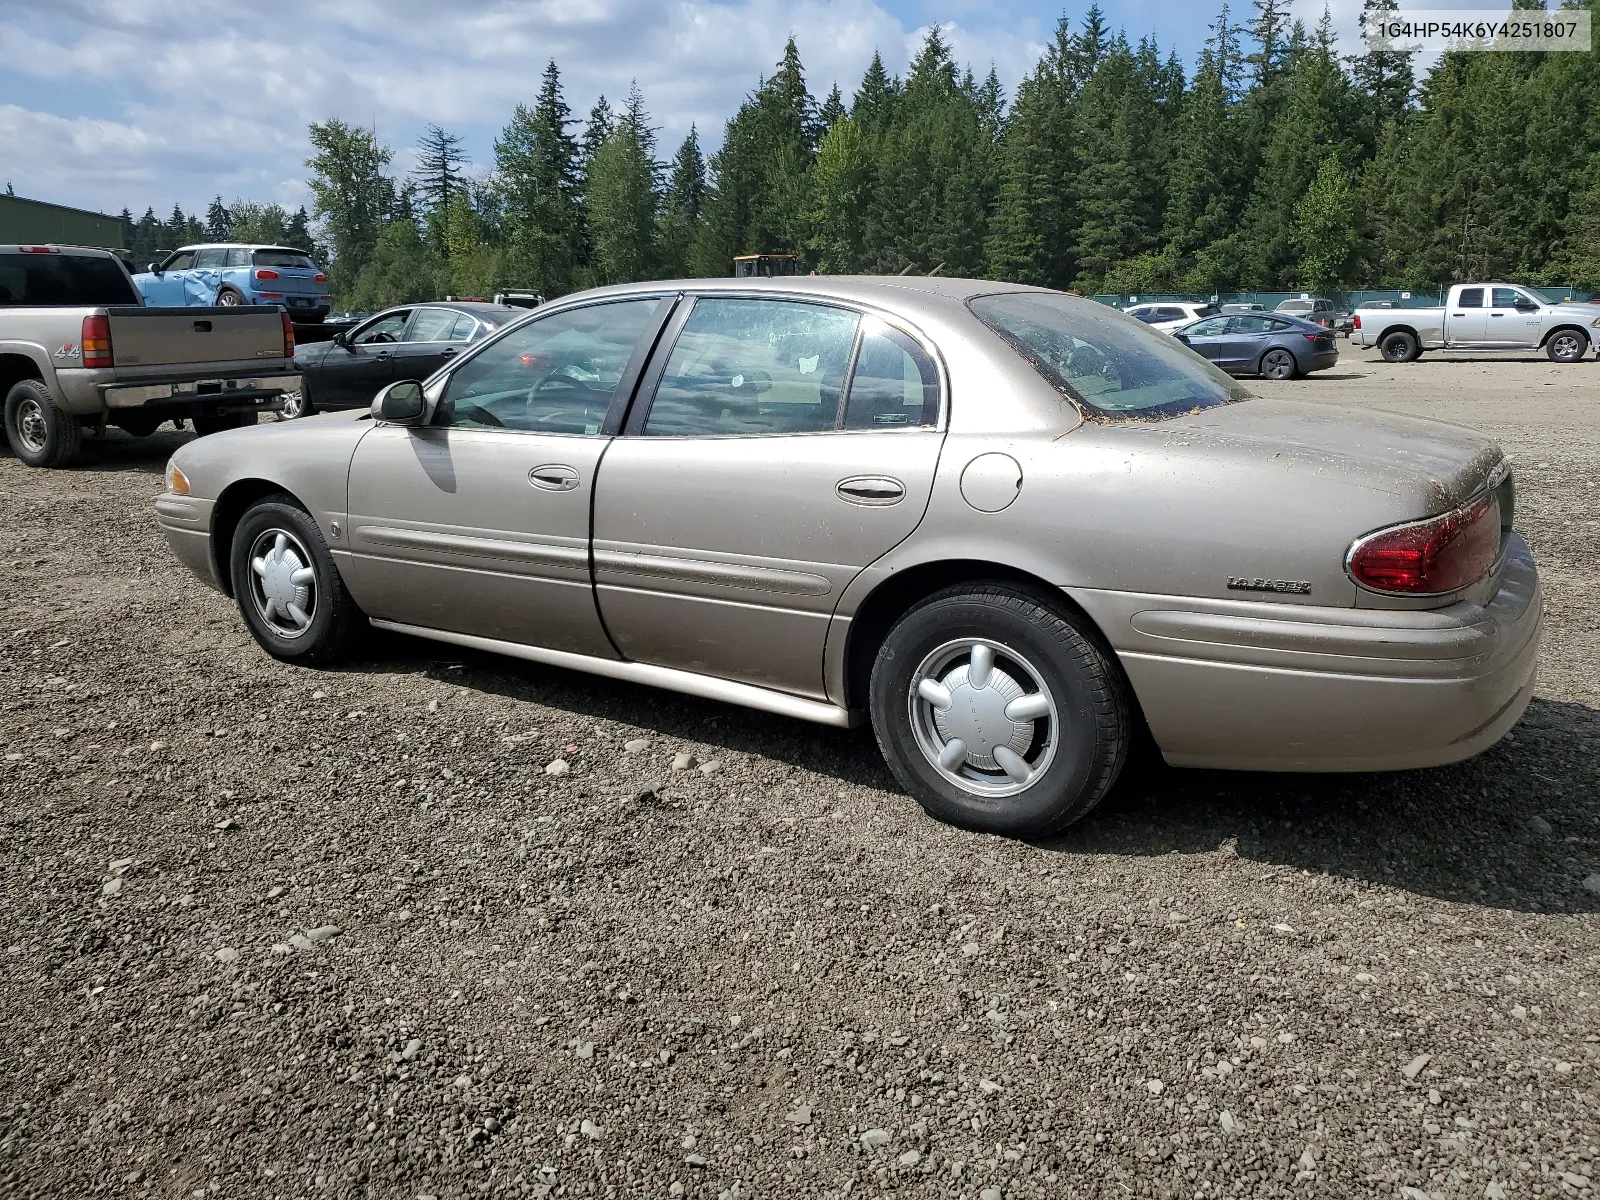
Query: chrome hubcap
point(289, 405)
point(1566, 346)
point(31, 427)
point(283, 584)
point(983, 717)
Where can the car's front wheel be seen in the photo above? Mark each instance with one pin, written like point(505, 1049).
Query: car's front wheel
point(287, 587)
point(1279, 364)
point(1566, 346)
point(998, 711)
point(294, 405)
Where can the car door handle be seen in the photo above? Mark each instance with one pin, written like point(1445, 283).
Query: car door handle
point(873, 490)
point(1497, 314)
point(554, 477)
point(381, 355)
point(449, 351)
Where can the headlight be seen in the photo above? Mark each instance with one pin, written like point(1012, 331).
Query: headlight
point(177, 481)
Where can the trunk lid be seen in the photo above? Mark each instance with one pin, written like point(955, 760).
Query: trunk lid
point(194, 336)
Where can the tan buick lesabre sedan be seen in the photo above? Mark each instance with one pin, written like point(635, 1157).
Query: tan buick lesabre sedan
point(1006, 525)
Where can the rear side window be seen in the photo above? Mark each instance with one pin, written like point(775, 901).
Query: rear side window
point(895, 383)
point(63, 279)
point(463, 329)
point(431, 325)
point(283, 258)
point(1471, 298)
point(239, 257)
point(1115, 369)
point(754, 367)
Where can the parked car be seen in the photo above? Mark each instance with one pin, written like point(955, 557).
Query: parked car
point(1005, 525)
point(1479, 316)
point(1243, 307)
point(409, 342)
point(228, 275)
point(1262, 344)
point(1319, 311)
point(1169, 315)
point(79, 350)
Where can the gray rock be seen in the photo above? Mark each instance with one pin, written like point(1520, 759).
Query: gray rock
point(636, 745)
point(800, 1114)
point(590, 1130)
point(323, 932)
point(910, 1158)
point(1591, 883)
point(112, 887)
point(711, 767)
point(683, 761)
point(1540, 826)
point(990, 1194)
point(876, 1137)
point(695, 1160)
point(413, 1048)
point(227, 955)
point(559, 767)
point(1414, 1068)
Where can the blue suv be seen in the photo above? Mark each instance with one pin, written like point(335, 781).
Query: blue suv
point(230, 274)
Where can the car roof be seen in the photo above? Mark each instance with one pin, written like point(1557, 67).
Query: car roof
point(241, 246)
point(473, 308)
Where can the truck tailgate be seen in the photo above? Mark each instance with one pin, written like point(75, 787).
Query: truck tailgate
point(191, 336)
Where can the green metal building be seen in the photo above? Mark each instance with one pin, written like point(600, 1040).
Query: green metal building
point(33, 222)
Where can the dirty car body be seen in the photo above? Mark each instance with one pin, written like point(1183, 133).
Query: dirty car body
point(897, 500)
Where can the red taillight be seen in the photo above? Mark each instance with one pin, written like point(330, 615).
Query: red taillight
point(1429, 558)
point(95, 338)
point(288, 335)
point(1311, 337)
point(38, 250)
point(319, 277)
point(1355, 322)
point(264, 274)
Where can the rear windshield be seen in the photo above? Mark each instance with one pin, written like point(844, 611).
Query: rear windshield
point(283, 258)
point(1115, 368)
point(63, 279)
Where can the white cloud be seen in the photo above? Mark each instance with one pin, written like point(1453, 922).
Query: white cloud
point(181, 100)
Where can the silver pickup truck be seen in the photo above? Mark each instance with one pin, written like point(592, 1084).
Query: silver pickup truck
point(1480, 316)
point(79, 351)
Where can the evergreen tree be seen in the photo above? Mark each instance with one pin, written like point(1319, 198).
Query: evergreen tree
point(1383, 77)
point(875, 100)
point(536, 161)
point(832, 110)
point(1325, 228)
point(219, 222)
point(623, 200)
point(438, 175)
point(595, 131)
point(837, 197)
point(683, 207)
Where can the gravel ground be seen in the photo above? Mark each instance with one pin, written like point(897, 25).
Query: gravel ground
point(275, 932)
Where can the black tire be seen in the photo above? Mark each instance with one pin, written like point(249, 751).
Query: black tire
point(1567, 346)
point(228, 298)
point(1074, 758)
point(1400, 347)
point(215, 422)
point(334, 621)
point(1278, 363)
point(41, 432)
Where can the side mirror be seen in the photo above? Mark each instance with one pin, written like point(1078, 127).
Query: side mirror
point(401, 403)
point(153, 268)
point(342, 338)
point(1182, 337)
point(1527, 306)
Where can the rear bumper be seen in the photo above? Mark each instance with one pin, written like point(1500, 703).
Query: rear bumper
point(1319, 361)
point(264, 388)
point(1284, 687)
point(186, 522)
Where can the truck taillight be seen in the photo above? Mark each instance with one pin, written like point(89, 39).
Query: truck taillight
point(262, 274)
point(1432, 557)
point(1355, 321)
point(319, 277)
point(288, 334)
point(37, 250)
point(95, 338)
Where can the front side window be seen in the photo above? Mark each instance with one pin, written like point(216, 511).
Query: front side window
point(383, 330)
point(1509, 298)
point(1213, 327)
point(1471, 298)
point(1113, 369)
point(179, 262)
point(894, 384)
point(432, 325)
point(754, 367)
point(555, 374)
point(1250, 324)
point(209, 260)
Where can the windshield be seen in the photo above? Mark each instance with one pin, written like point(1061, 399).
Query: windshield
point(283, 258)
point(1115, 368)
point(63, 279)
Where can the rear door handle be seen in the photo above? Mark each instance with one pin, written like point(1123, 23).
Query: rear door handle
point(449, 351)
point(554, 477)
point(873, 490)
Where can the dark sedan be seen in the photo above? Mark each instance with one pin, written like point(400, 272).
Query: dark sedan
point(410, 342)
point(1267, 344)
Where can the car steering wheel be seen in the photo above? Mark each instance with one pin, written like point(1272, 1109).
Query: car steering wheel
point(478, 415)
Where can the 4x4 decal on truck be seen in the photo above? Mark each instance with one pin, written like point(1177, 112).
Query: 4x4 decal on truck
point(70, 350)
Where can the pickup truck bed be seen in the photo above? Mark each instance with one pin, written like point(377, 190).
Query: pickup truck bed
point(79, 351)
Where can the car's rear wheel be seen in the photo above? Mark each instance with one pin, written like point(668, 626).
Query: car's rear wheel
point(228, 298)
point(997, 711)
point(287, 587)
point(1400, 347)
point(1567, 345)
point(41, 432)
point(294, 405)
point(214, 422)
point(1279, 364)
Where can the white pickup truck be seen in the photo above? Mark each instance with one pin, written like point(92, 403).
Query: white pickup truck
point(80, 351)
point(1480, 316)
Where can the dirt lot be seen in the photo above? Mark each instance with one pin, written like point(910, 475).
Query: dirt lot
point(774, 977)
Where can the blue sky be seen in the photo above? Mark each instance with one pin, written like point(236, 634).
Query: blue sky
point(106, 103)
